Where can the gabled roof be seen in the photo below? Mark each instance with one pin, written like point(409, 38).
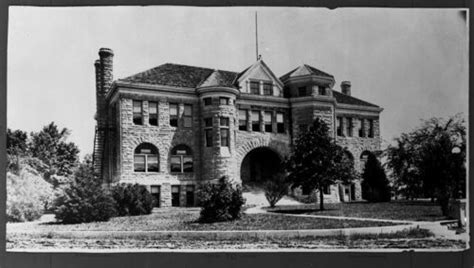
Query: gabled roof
point(345, 99)
point(170, 74)
point(306, 70)
point(264, 67)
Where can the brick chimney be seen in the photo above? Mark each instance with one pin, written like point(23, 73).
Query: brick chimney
point(103, 81)
point(346, 87)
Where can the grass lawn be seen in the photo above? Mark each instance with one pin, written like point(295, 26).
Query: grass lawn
point(395, 210)
point(185, 219)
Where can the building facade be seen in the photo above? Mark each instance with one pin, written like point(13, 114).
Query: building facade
point(174, 126)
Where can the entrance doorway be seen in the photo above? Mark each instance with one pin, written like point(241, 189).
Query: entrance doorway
point(259, 165)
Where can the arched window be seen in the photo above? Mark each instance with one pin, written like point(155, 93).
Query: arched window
point(145, 158)
point(181, 160)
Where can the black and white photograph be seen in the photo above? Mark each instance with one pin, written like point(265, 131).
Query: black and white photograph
point(229, 129)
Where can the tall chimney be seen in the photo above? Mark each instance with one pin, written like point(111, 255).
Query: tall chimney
point(346, 87)
point(104, 79)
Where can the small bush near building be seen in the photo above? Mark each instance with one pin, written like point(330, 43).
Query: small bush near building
point(220, 201)
point(84, 199)
point(276, 188)
point(132, 199)
point(27, 196)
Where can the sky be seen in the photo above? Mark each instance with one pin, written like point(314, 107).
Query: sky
point(411, 62)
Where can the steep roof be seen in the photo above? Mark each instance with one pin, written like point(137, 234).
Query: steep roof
point(345, 99)
point(170, 74)
point(307, 70)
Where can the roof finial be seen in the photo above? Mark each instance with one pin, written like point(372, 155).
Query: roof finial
point(259, 57)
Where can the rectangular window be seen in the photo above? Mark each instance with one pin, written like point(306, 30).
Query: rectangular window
point(255, 117)
point(242, 119)
point(139, 163)
point(349, 127)
point(302, 91)
point(207, 101)
point(339, 126)
point(255, 87)
point(188, 115)
point(173, 114)
point(267, 119)
point(280, 123)
point(371, 128)
point(155, 192)
point(208, 131)
point(224, 137)
point(322, 90)
point(223, 101)
point(360, 126)
point(190, 195)
point(153, 113)
point(224, 121)
point(175, 189)
point(137, 113)
point(267, 88)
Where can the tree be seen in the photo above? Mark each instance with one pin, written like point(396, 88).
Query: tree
point(84, 199)
point(17, 148)
point(401, 160)
point(50, 146)
point(275, 188)
point(316, 161)
point(438, 158)
point(375, 185)
point(132, 199)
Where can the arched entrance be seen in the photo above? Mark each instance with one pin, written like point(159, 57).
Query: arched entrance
point(259, 165)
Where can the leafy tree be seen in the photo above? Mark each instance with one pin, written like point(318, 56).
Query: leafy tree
point(401, 160)
point(316, 161)
point(438, 158)
point(276, 188)
point(50, 146)
point(84, 199)
point(17, 148)
point(220, 201)
point(375, 185)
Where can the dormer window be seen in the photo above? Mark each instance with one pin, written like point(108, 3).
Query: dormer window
point(267, 88)
point(255, 87)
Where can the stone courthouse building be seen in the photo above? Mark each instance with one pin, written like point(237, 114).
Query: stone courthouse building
point(175, 126)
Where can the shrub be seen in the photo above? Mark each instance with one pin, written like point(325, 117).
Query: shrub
point(276, 188)
point(27, 196)
point(84, 199)
point(375, 185)
point(132, 199)
point(220, 202)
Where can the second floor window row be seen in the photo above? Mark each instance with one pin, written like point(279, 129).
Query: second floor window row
point(355, 127)
point(153, 119)
point(256, 119)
